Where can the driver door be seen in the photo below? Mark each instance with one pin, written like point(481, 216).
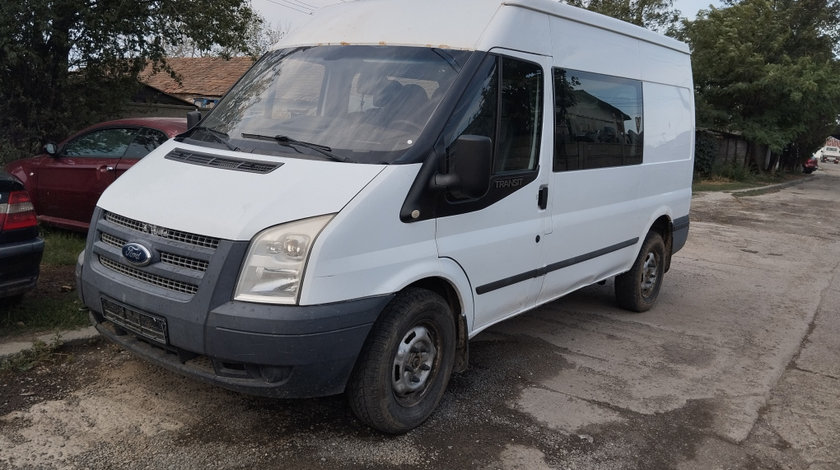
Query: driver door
point(495, 238)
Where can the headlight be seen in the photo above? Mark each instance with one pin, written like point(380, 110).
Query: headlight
point(273, 269)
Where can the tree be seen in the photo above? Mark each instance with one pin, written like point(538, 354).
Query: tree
point(768, 69)
point(658, 15)
point(66, 63)
point(261, 35)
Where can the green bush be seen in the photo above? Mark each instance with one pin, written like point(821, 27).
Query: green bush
point(705, 153)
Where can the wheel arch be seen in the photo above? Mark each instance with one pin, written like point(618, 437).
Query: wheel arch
point(664, 226)
point(444, 288)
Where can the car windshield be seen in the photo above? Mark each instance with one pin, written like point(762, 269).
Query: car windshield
point(365, 104)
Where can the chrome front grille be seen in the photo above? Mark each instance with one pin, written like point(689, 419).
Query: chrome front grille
point(109, 239)
point(184, 262)
point(163, 232)
point(165, 257)
point(179, 260)
point(154, 279)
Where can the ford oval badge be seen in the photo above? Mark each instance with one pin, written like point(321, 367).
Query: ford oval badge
point(137, 254)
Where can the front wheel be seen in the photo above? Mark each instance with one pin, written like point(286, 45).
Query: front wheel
point(406, 363)
point(638, 288)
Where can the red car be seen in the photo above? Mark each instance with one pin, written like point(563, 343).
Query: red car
point(66, 181)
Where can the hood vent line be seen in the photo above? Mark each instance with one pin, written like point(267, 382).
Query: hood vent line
point(225, 163)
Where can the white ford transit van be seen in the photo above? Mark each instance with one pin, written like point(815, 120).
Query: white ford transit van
point(387, 183)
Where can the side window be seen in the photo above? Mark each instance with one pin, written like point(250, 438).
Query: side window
point(475, 114)
point(504, 102)
point(598, 120)
point(520, 117)
point(103, 143)
point(144, 142)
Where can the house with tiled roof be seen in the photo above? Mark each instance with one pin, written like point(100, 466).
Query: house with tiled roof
point(203, 80)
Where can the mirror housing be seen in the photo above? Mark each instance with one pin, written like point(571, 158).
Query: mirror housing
point(470, 165)
point(51, 149)
point(193, 118)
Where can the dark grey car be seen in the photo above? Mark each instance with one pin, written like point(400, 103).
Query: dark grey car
point(20, 246)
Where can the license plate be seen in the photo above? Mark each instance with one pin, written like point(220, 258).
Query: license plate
point(144, 324)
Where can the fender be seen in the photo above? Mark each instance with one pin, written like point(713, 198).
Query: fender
point(401, 276)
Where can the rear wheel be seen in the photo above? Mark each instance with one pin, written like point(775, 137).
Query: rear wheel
point(406, 363)
point(638, 288)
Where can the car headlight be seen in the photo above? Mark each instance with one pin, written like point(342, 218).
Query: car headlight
point(273, 269)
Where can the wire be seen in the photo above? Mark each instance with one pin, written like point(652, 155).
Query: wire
point(303, 4)
point(292, 6)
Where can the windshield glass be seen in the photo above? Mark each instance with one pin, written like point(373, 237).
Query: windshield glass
point(365, 104)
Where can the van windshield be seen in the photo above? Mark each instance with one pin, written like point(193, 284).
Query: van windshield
point(365, 104)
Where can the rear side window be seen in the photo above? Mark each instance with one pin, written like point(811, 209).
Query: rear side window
point(103, 143)
point(520, 117)
point(598, 120)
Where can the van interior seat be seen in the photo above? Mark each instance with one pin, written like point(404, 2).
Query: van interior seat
point(395, 101)
point(413, 96)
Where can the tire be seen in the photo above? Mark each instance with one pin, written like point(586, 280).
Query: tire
point(638, 288)
point(406, 363)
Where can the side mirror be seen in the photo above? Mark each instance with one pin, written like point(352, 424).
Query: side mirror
point(470, 164)
point(193, 118)
point(51, 149)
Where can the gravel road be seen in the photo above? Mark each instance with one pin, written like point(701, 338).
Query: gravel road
point(737, 367)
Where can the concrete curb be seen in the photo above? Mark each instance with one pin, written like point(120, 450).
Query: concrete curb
point(771, 187)
point(8, 349)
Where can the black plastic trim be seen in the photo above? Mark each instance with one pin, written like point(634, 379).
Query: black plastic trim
point(268, 350)
point(224, 163)
point(495, 285)
point(680, 234)
point(681, 223)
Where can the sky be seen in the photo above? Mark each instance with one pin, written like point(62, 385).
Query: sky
point(689, 8)
point(286, 14)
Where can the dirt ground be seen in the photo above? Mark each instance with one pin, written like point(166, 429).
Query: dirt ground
point(736, 368)
point(54, 282)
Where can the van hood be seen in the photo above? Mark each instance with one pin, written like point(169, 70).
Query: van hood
point(198, 190)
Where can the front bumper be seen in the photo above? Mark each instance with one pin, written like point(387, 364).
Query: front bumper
point(177, 312)
point(276, 351)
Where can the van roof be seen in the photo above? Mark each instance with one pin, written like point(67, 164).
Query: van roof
point(448, 24)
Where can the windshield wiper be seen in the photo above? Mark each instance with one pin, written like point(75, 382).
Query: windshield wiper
point(218, 136)
point(289, 142)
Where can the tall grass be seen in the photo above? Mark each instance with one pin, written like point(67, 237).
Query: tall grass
point(62, 247)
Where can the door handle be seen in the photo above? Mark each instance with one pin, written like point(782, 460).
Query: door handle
point(105, 168)
point(542, 197)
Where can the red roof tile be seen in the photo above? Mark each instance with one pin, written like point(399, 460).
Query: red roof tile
point(206, 76)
